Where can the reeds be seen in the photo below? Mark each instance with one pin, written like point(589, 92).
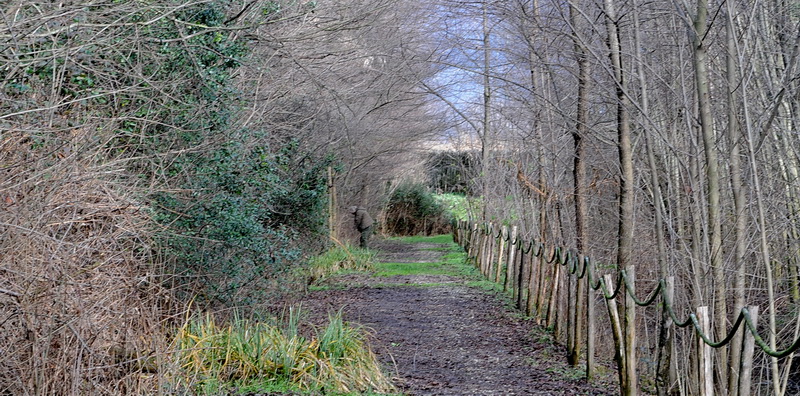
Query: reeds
point(257, 355)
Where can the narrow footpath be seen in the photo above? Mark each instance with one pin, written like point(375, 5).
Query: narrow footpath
point(438, 335)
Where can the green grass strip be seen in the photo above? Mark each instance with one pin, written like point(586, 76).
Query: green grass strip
point(445, 239)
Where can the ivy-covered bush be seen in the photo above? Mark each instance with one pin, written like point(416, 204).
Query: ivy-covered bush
point(232, 205)
point(237, 202)
point(413, 210)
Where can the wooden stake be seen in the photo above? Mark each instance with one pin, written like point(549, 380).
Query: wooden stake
point(488, 253)
point(616, 331)
point(590, 323)
point(331, 206)
point(484, 246)
point(665, 375)
point(554, 286)
point(531, 301)
point(705, 368)
point(473, 242)
point(522, 269)
point(572, 304)
point(512, 250)
point(541, 301)
point(630, 332)
point(748, 350)
point(500, 254)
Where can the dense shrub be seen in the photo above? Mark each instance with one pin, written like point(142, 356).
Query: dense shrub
point(234, 202)
point(453, 171)
point(240, 224)
point(125, 177)
point(413, 210)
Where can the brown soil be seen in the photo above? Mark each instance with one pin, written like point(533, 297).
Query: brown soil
point(446, 338)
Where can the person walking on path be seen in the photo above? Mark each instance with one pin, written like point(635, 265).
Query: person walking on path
point(363, 223)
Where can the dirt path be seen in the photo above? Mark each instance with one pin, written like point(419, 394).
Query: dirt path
point(439, 336)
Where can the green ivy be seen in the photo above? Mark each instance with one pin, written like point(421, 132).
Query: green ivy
point(234, 207)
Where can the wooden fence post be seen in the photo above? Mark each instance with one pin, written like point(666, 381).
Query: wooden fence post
point(331, 206)
point(555, 284)
point(478, 245)
point(531, 301)
point(484, 246)
point(464, 232)
point(665, 373)
point(474, 240)
point(521, 271)
point(616, 331)
point(705, 368)
point(487, 264)
point(541, 301)
point(590, 320)
point(512, 247)
point(630, 331)
point(748, 349)
point(572, 306)
point(500, 254)
point(497, 237)
point(562, 296)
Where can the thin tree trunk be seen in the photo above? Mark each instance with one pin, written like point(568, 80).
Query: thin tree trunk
point(579, 177)
point(766, 261)
point(712, 181)
point(663, 380)
point(486, 141)
point(738, 202)
point(626, 208)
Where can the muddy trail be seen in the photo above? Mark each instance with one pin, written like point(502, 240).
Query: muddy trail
point(436, 335)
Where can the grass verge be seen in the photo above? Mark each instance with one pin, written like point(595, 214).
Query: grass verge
point(340, 259)
point(452, 263)
point(444, 239)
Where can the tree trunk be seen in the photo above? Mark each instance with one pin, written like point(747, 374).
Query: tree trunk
point(579, 177)
point(626, 208)
point(486, 141)
point(664, 380)
point(712, 181)
point(738, 202)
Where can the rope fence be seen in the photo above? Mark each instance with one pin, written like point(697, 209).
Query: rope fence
point(496, 251)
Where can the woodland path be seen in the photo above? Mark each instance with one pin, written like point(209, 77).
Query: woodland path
point(437, 335)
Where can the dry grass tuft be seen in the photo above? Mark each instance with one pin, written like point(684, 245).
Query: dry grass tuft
point(214, 357)
point(81, 311)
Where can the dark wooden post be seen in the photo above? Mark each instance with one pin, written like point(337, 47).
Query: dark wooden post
point(532, 282)
point(666, 377)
